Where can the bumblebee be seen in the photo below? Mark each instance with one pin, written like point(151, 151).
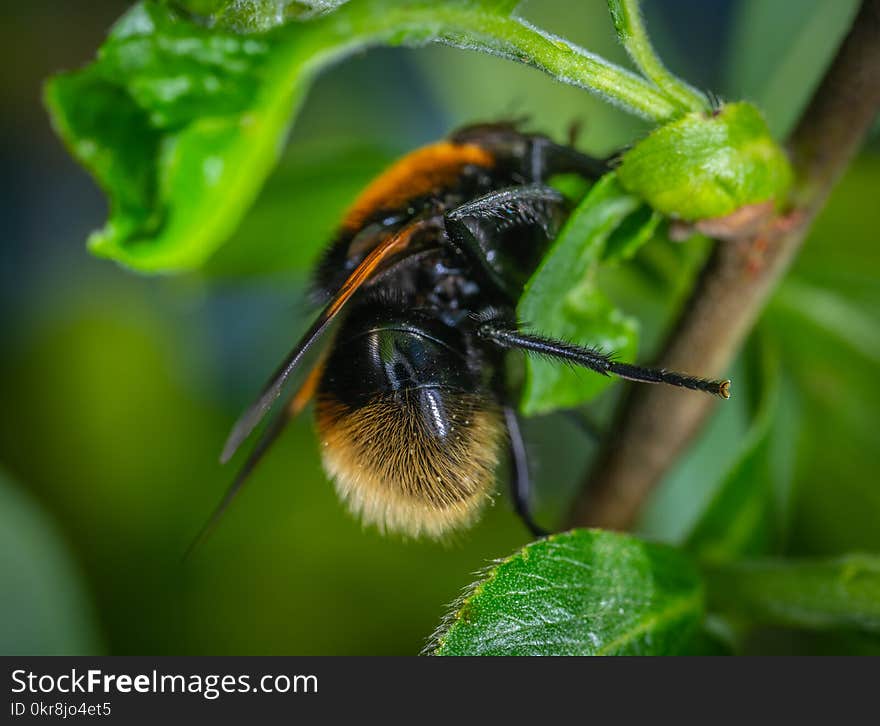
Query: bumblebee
point(413, 408)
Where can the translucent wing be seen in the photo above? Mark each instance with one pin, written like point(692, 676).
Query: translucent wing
point(249, 420)
point(253, 415)
point(293, 407)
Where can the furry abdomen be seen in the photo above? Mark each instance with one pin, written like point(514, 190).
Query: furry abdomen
point(420, 462)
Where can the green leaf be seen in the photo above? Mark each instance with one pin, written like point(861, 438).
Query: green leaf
point(708, 165)
point(44, 609)
point(746, 514)
point(181, 123)
point(835, 593)
point(583, 592)
point(633, 232)
point(562, 298)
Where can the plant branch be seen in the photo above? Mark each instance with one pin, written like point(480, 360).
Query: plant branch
point(655, 424)
point(520, 41)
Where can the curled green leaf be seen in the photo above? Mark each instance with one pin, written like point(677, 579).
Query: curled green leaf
point(583, 592)
point(181, 123)
point(708, 165)
point(562, 299)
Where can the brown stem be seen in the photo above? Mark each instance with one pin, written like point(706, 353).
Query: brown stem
point(656, 423)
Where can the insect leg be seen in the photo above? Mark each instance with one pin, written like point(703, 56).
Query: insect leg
point(506, 336)
point(520, 478)
point(477, 229)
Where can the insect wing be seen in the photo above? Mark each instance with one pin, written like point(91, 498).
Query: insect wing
point(253, 415)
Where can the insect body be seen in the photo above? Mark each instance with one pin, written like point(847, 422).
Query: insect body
point(412, 407)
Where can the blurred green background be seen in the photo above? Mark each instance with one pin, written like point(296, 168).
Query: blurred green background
point(117, 390)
